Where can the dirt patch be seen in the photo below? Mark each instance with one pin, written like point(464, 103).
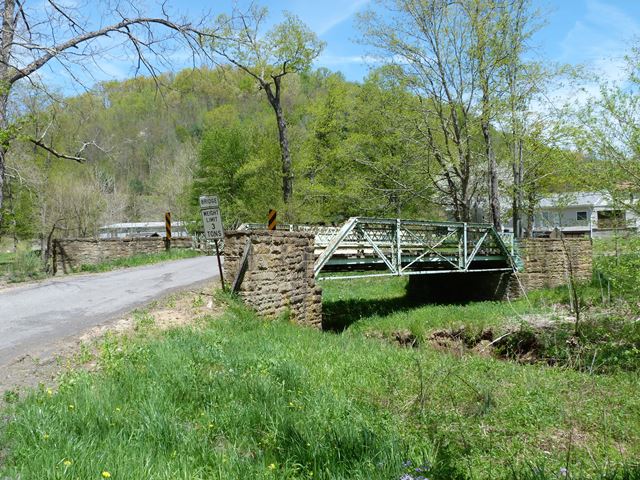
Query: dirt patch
point(43, 367)
point(405, 338)
point(516, 341)
point(564, 439)
point(460, 335)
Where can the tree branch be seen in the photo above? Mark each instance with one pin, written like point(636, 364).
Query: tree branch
point(119, 27)
point(54, 152)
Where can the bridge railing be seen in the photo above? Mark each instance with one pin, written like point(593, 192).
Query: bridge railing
point(406, 247)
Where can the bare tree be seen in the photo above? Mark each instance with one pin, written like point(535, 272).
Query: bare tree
point(453, 55)
point(290, 47)
point(431, 44)
point(34, 37)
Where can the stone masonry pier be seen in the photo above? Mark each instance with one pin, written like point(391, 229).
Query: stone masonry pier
point(279, 273)
point(548, 261)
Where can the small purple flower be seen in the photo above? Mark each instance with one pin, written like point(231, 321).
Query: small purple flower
point(406, 476)
point(563, 471)
point(406, 463)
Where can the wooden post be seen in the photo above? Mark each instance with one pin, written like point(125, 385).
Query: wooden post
point(243, 267)
point(167, 226)
point(219, 265)
point(271, 224)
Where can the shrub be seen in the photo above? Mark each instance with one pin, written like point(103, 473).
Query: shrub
point(26, 265)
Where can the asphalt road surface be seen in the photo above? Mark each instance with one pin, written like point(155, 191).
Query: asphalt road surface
point(34, 316)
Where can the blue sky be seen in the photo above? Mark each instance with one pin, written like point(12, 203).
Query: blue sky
point(595, 33)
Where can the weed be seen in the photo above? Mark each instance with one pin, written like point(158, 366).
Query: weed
point(142, 320)
point(26, 265)
point(198, 301)
point(11, 396)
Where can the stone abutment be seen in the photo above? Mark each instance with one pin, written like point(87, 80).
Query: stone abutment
point(279, 273)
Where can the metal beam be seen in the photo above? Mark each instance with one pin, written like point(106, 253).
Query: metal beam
point(376, 249)
point(424, 245)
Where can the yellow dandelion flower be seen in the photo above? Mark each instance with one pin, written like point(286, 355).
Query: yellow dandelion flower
point(67, 462)
point(71, 407)
point(49, 392)
point(117, 409)
point(45, 436)
point(211, 425)
point(272, 466)
point(106, 474)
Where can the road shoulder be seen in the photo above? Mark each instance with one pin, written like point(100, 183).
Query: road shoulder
point(41, 367)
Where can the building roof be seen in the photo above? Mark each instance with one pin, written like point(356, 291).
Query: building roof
point(576, 199)
point(115, 226)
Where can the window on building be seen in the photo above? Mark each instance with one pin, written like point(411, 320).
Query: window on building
point(611, 219)
point(581, 216)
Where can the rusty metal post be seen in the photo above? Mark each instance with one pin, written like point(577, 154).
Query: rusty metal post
point(219, 266)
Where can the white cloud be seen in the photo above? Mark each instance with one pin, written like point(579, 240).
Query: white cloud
point(600, 39)
point(350, 9)
point(333, 60)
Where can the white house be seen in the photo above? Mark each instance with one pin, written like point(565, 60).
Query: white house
point(583, 213)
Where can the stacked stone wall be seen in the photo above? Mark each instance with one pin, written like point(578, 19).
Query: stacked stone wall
point(71, 253)
point(546, 263)
point(279, 276)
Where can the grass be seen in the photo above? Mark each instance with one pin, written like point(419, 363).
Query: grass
point(22, 265)
point(380, 305)
point(6, 259)
point(240, 398)
point(140, 260)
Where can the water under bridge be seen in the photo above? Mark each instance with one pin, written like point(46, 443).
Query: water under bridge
point(367, 247)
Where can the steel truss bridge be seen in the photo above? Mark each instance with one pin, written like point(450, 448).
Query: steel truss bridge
point(367, 247)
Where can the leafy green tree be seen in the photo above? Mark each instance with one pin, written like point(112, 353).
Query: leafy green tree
point(608, 131)
point(452, 57)
point(224, 152)
point(289, 47)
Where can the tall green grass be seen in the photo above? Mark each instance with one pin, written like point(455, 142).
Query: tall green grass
point(241, 398)
point(25, 265)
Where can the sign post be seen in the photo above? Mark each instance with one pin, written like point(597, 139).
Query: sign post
point(212, 220)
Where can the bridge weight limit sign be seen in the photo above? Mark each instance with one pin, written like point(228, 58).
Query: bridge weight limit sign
point(212, 220)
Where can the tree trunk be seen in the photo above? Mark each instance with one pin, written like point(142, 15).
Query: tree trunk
point(3, 151)
point(494, 199)
point(8, 31)
point(2, 178)
point(530, 213)
point(287, 175)
point(492, 167)
point(517, 199)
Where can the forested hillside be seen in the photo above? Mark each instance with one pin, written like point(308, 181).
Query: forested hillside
point(151, 149)
point(456, 127)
